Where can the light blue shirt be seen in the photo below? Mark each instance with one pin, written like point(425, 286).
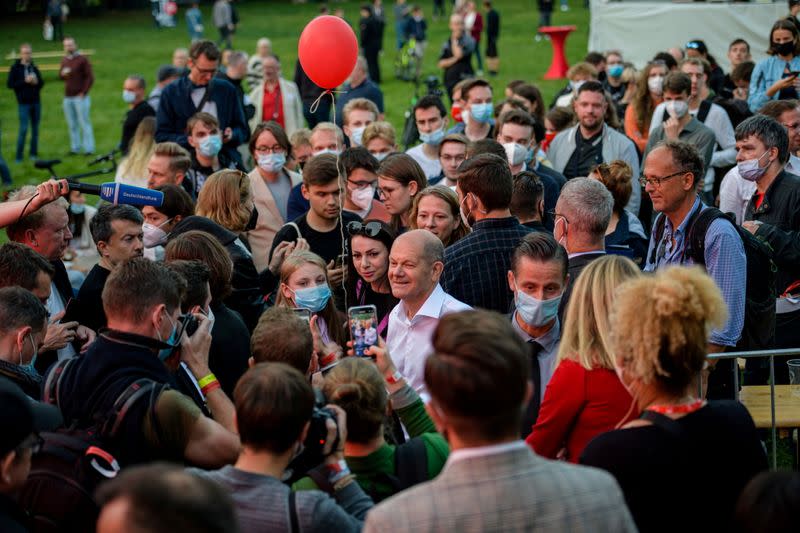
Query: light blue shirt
point(725, 262)
point(765, 74)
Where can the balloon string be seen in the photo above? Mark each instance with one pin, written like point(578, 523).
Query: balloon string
point(343, 184)
point(315, 105)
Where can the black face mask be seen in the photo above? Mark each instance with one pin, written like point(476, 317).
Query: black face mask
point(783, 49)
point(251, 224)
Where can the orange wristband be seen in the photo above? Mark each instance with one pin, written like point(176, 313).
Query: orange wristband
point(214, 385)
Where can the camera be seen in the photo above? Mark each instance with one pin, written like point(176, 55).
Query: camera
point(433, 85)
point(317, 438)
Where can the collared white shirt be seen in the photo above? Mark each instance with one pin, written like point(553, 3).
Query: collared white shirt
point(735, 192)
point(550, 342)
point(409, 340)
point(483, 451)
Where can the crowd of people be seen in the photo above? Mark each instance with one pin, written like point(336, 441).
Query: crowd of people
point(546, 286)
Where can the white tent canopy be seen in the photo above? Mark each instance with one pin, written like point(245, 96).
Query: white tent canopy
point(640, 29)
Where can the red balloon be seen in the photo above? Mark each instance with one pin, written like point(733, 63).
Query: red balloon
point(328, 50)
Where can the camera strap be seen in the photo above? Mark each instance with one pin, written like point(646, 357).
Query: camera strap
point(293, 519)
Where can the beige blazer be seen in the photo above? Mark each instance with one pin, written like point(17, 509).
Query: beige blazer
point(292, 106)
point(269, 217)
point(514, 491)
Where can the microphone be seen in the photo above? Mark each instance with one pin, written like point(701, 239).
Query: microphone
point(120, 193)
point(105, 157)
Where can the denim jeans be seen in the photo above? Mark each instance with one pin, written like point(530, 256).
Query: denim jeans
point(76, 111)
point(5, 173)
point(32, 113)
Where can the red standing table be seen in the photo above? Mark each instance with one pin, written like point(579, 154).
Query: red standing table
point(558, 65)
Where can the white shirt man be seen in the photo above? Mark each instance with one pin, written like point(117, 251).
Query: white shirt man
point(416, 262)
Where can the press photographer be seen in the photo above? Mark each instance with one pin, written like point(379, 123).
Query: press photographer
point(276, 418)
point(142, 300)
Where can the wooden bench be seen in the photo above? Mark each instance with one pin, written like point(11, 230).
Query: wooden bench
point(44, 67)
point(46, 55)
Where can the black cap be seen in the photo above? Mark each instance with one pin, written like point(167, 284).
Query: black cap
point(167, 71)
point(20, 416)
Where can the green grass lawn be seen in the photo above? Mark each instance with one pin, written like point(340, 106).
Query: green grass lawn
point(126, 42)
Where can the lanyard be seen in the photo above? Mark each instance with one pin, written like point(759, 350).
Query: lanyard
point(683, 409)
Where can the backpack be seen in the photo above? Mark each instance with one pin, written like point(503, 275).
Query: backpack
point(410, 467)
point(59, 492)
point(758, 332)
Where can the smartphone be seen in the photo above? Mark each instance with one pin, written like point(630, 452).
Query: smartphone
point(189, 324)
point(303, 313)
point(793, 73)
point(341, 260)
point(363, 321)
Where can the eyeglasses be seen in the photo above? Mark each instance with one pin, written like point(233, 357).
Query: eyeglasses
point(553, 215)
point(361, 185)
point(277, 149)
point(370, 229)
point(656, 182)
point(34, 442)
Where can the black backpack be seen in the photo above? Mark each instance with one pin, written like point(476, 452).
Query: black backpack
point(758, 332)
point(59, 492)
point(410, 467)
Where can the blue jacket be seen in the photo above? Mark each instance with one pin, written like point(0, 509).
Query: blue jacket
point(176, 108)
point(767, 72)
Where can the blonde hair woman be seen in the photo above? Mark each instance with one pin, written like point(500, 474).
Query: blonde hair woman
point(304, 283)
point(132, 170)
point(584, 397)
point(436, 209)
point(686, 460)
point(227, 199)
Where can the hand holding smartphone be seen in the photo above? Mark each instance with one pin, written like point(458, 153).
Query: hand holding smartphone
point(363, 322)
point(303, 313)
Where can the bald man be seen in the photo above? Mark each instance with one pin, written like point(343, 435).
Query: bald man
point(416, 262)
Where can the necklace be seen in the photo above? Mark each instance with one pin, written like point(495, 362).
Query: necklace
point(683, 408)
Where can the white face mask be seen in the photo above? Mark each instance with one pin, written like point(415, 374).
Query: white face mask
point(356, 134)
point(380, 156)
point(676, 108)
point(516, 153)
point(751, 170)
point(326, 151)
point(362, 198)
point(655, 84)
point(153, 235)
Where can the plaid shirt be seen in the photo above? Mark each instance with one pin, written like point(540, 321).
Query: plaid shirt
point(476, 267)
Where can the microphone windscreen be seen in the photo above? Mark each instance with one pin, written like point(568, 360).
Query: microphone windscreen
point(121, 193)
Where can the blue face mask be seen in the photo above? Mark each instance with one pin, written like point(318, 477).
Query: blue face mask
point(30, 368)
point(615, 71)
point(535, 312)
point(210, 145)
point(481, 112)
point(271, 162)
point(173, 341)
point(529, 155)
point(77, 209)
point(313, 298)
point(433, 138)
